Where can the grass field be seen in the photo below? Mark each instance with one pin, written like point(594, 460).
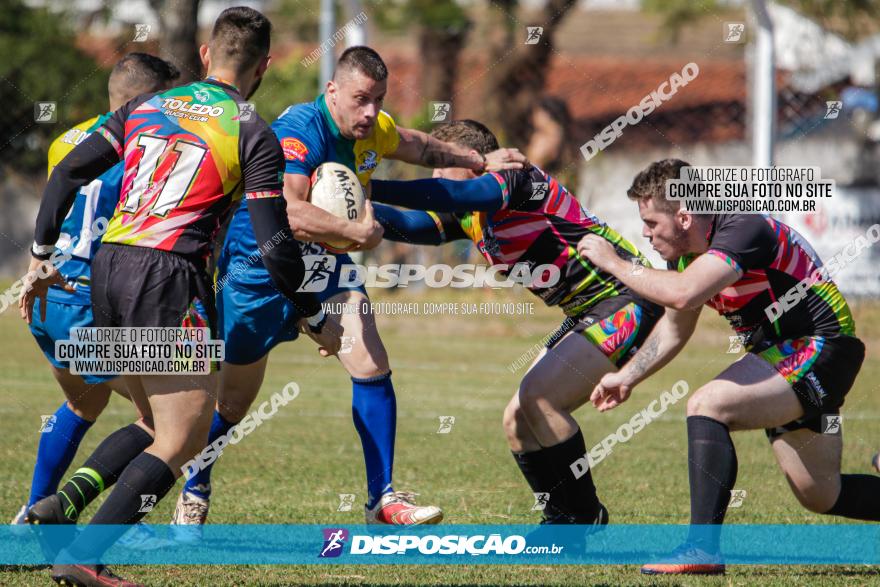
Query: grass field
point(291, 469)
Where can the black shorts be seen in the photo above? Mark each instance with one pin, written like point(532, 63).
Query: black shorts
point(616, 326)
point(141, 286)
point(821, 370)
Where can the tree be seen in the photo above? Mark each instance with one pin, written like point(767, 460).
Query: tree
point(286, 82)
point(178, 34)
point(42, 64)
point(443, 27)
point(854, 15)
point(518, 71)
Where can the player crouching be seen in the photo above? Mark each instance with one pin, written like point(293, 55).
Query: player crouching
point(792, 381)
point(525, 216)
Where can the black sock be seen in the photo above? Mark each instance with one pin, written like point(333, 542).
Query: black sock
point(578, 490)
point(712, 468)
point(535, 468)
point(102, 468)
point(145, 481)
point(859, 498)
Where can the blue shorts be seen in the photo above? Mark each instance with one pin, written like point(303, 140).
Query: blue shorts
point(60, 318)
point(254, 317)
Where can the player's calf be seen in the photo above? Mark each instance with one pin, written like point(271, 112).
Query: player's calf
point(364, 356)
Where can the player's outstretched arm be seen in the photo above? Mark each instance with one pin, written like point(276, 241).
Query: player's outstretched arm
point(483, 194)
point(691, 288)
point(283, 259)
point(84, 163)
point(417, 227)
point(665, 341)
point(261, 162)
point(420, 148)
point(310, 223)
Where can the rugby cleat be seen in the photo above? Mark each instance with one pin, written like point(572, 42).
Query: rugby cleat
point(687, 559)
point(142, 537)
point(21, 517)
point(48, 511)
point(397, 508)
point(88, 576)
point(190, 515)
point(573, 542)
point(601, 519)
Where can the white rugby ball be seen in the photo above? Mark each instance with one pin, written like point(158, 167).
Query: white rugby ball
point(336, 189)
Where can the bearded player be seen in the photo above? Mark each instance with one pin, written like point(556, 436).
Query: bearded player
point(190, 155)
point(526, 217)
point(346, 125)
point(69, 305)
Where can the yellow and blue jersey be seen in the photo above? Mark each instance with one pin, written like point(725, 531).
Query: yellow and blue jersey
point(309, 137)
point(88, 217)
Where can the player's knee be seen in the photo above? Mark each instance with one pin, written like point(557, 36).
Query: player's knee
point(236, 400)
point(516, 428)
point(533, 402)
point(816, 497)
point(706, 403)
point(89, 404)
point(87, 410)
point(510, 419)
point(366, 363)
point(234, 408)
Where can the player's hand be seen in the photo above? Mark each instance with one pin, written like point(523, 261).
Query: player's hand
point(369, 230)
point(328, 340)
point(599, 251)
point(505, 159)
point(611, 391)
point(35, 284)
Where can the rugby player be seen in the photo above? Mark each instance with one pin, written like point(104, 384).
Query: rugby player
point(526, 216)
point(795, 375)
point(346, 125)
point(189, 157)
point(69, 305)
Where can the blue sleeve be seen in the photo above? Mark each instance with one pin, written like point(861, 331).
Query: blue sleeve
point(482, 194)
point(417, 227)
point(301, 141)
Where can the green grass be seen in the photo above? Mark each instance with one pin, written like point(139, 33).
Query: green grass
point(292, 468)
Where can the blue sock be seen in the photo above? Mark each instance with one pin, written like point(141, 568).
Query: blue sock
point(374, 408)
point(56, 451)
point(200, 483)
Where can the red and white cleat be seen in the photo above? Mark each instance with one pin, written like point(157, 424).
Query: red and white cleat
point(397, 508)
point(89, 576)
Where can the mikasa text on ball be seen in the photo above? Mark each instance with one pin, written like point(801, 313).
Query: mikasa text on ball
point(336, 189)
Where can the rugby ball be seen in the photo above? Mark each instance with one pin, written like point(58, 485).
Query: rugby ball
point(336, 189)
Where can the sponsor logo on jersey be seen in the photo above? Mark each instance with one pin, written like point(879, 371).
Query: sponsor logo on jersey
point(74, 136)
point(294, 149)
point(185, 109)
point(369, 160)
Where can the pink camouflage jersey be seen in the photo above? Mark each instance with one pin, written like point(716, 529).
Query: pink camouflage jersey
point(540, 223)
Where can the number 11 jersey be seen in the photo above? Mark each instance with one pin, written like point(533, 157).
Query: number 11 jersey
point(190, 154)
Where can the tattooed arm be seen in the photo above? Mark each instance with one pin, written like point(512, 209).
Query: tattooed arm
point(666, 340)
point(421, 148)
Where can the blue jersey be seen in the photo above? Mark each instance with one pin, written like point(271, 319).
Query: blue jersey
point(87, 220)
point(309, 137)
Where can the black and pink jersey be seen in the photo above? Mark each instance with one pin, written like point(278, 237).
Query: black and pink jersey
point(541, 223)
point(772, 258)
